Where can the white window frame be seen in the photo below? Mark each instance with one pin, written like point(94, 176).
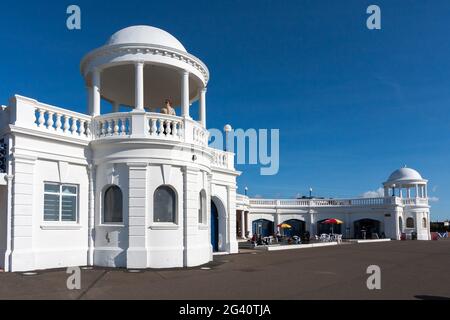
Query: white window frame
point(102, 208)
point(60, 194)
point(164, 225)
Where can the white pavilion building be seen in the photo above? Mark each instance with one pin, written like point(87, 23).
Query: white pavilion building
point(137, 188)
point(403, 211)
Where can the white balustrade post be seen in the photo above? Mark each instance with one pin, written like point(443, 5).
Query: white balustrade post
point(139, 86)
point(185, 93)
point(202, 107)
point(96, 93)
point(41, 119)
point(50, 120)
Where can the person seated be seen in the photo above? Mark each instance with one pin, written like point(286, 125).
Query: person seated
point(167, 108)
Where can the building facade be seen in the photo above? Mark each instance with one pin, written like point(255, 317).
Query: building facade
point(133, 183)
point(403, 211)
point(130, 188)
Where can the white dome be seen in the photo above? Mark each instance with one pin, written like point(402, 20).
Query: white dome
point(404, 174)
point(145, 35)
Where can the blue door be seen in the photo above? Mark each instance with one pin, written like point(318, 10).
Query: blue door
point(214, 227)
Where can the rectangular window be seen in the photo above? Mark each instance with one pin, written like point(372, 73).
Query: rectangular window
point(60, 202)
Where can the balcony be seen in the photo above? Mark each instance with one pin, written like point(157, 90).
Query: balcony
point(27, 114)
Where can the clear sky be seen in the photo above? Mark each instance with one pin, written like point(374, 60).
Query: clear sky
point(352, 104)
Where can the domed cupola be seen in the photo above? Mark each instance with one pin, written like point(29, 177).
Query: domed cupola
point(406, 179)
point(143, 67)
point(146, 35)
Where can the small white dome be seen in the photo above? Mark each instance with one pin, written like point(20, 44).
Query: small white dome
point(145, 35)
point(404, 174)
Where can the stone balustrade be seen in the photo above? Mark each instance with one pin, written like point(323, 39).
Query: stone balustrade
point(164, 126)
point(112, 125)
point(30, 114)
point(415, 201)
point(223, 159)
point(357, 202)
point(26, 113)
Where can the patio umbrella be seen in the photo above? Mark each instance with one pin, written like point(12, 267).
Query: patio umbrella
point(284, 226)
point(332, 221)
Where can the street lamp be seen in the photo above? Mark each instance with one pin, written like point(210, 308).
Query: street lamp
point(227, 130)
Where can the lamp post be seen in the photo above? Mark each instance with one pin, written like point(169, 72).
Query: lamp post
point(245, 190)
point(227, 130)
point(310, 192)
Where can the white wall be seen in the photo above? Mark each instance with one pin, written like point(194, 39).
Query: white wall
point(111, 240)
point(60, 244)
point(3, 224)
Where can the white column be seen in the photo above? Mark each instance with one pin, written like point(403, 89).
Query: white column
point(232, 244)
point(185, 93)
point(89, 91)
point(137, 252)
point(400, 192)
point(242, 226)
point(96, 93)
point(91, 214)
point(425, 190)
point(202, 107)
point(408, 192)
point(139, 86)
point(190, 216)
point(417, 191)
point(115, 106)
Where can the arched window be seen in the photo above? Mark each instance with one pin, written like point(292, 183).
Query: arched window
point(424, 223)
point(164, 205)
point(410, 222)
point(112, 205)
point(202, 207)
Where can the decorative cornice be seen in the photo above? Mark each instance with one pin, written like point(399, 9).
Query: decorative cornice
point(150, 49)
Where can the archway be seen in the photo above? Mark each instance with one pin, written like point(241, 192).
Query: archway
point(219, 236)
point(328, 228)
point(366, 228)
point(297, 228)
point(214, 227)
point(263, 227)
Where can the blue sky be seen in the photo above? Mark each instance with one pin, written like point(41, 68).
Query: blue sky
point(352, 105)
